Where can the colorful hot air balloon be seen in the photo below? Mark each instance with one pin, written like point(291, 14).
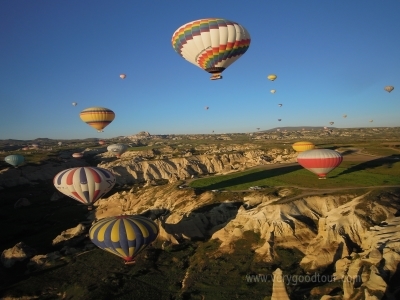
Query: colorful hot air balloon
point(74, 103)
point(272, 77)
point(331, 123)
point(212, 44)
point(14, 160)
point(273, 91)
point(125, 236)
point(320, 161)
point(303, 146)
point(122, 76)
point(97, 117)
point(117, 149)
point(280, 105)
point(389, 88)
point(85, 184)
point(77, 155)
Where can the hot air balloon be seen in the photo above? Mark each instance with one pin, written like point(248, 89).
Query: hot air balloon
point(77, 155)
point(389, 88)
point(272, 77)
point(101, 142)
point(278, 129)
point(303, 146)
point(25, 148)
point(331, 123)
point(273, 91)
point(206, 107)
point(59, 143)
point(258, 128)
point(371, 120)
point(74, 103)
point(212, 44)
point(122, 76)
point(14, 160)
point(320, 161)
point(97, 117)
point(117, 149)
point(325, 127)
point(125, 236)
point(344, 116)
point(85, 184)
point(280, 105)
point(36, 146)
point(279, 120)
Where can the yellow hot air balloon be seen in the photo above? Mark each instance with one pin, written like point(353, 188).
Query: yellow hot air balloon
point(303, 146)
point(97, 117)
point(272, 77)
point(212, 44)
point(389, 88)
point(273, 91)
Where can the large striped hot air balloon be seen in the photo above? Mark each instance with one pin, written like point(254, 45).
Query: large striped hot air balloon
point(303, 146)
point(320, 161)
point(125, 236)
point(117, 149)
point(14, 160)
point(212, 44)
point(97, 117)
point(84, 184)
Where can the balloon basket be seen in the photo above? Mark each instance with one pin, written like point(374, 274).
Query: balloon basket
point(322, 178)
point(132, 262)
point(216, 76)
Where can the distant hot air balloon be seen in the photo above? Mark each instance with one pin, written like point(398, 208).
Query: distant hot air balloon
point(122, 76)
point(389, 88)
point(280, 105)
point(272, 77)
point(279, 120)
point(213, 131)
point(74, 103)
point(206, 107)
point(85, 184)
point(36, 146)
point(59, 143)
point(278, 129)
point(125, 236)
point(117, 149)
point(97, 117)
point(273, 91)
point(212, 44)
point(258, 128)
point(344, 116)
point(371, 120)
point(303, 146)
point(320, 161)
point(77, 155)
point(325, 127)
point(25, 148)
point(331, 123)
point(101, 142)
point(14, 160)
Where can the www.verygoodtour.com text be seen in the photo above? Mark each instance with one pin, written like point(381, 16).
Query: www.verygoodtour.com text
point(296, 279)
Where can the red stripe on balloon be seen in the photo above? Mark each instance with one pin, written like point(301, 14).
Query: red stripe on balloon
point(95, 175)
point(70, 177)
point(320, 163)
point(78, 197)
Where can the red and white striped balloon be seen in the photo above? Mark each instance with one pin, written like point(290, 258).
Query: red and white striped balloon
point(320, 161)
point(84, 184)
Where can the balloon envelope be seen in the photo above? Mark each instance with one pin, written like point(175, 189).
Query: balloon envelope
point(331, 123)
point(303, 146)
point(389, 88)
point(84, 184)
point(211, 44)
point(117, 149)
point(77, 155)
point(272, 77)
point(74, 103)
point(97, 117)
point(273, 91)
point(280, 105)
point(320, 161)
point(14, 160)
point(122, 76)
point(125, 236)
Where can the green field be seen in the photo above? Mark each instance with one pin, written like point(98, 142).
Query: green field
point(349, 174)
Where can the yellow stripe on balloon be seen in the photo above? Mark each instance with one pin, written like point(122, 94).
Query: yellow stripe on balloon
point(130, 232)
point(115, 231)
point(101, 233)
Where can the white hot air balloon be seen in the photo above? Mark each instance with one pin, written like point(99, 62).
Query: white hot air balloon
point(117, 149)
point(85, 184)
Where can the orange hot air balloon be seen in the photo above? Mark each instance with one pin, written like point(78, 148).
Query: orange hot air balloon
point(303, 146)
point(97, 117)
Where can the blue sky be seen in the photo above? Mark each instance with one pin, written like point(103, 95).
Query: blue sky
point(331, 58)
